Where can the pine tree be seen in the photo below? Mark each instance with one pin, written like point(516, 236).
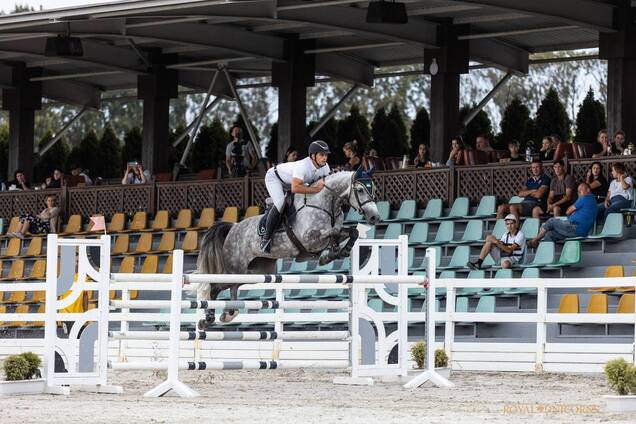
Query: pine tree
point(590, 119)
point(86, 155)
point(209, 146)
point(420, 131)
point(55, 157)
point(329, 134)
point(109, 165)
point(132, 145)
point(396, 129)
point(552, 118)
point(353, 127)
point(272, 147)
point(516, 124)
point(175, 152)
point(378, 132)
point(480, 124)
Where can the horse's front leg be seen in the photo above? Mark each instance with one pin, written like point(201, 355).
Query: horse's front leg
point(206, 292)
point(229, 314)
point(352, 234)
point(335, 252)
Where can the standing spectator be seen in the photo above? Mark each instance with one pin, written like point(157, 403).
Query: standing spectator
point(19, 181)
point(291, 155)
point(597, 182)
point(534, 194)
point(562, 189)
point(581, 217)
point(238, 155)
point(456, 156)
point(619, 195)
point(513, 148)
point(511, 246)
point(423, 157)
point(135, 174)
point(373, 153)
point(43, 223)
point(57, 181)
point(547, 149)
point(350, 150)
point(602, 146)
point(482, 142)
point(619, 142)
point(79, 172)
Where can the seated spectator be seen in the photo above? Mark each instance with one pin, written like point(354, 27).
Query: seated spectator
point(482, 143)
point(373, 153)
point(423, 157)
point(372, 160)
point(19, 181)
point(603, 146)
point(597, 182)
point(562, 188)
point(619, 195)
point(43, 223)
point(513, 148)
point(456, 156)
point(510, 247)
point(57, 181)
point(534, 194)
point(291, 155)
point(619, 142)
point(135, 174)
point(79, 172)
point(350, 150)
point(581, 217)
point(547, 149)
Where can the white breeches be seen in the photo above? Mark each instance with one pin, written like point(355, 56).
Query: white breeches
point(275, 189)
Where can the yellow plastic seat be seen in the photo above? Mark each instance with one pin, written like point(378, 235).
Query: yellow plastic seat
point(36, 324)
point(190, 242)
point(184, 220)
point(3, 310)
point(160, 223)
point(252, 211)
point(38, 270)
point(117, 223)
point(138, 223)
point(150, 264)
point(21, 309)
point(37, 296)
point(14, 225)
point(230, 214)
point(206, 219)
point(16, 272)
point(167, 266)
point(597, 304)
point(35, 248)
point(144, 244)
point(612, 271)
point(569, 304)
point(121, 245)
point(14, 248)
point(14, 297)
point(73, 226)
point(126, 266)
point(166, 244)
point(626, 304)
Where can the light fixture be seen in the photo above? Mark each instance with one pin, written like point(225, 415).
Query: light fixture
point(387, 12)
point(434, 68)
point(64, 45)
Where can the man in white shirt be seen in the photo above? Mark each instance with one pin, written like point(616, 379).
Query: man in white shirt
point(296, 177)
point(511, 246)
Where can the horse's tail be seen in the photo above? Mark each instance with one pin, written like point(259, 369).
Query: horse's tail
point(210, 260)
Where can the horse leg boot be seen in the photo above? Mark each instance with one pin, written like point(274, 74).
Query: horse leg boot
point(230, 314)
point(203, 324)
point(273, 218)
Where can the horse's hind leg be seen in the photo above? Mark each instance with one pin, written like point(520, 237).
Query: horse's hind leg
point(210, 292)
point(230, 314)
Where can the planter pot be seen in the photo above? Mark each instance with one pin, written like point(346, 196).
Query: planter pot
point(444, 372)
point(22, 387)
point(615, 403)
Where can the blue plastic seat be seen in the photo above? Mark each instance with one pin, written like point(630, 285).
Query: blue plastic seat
point(487, 207)
point(544, 255)
point(407, 211)
point(460, 208)
point(297, 267)
point(530, 227)
point(418, 234)
point(419, 265)
point(433, 210)
point(473, 232)
point(460, 258)
point(393, 231)
point(570, 254)
point(527, 273)
point(384, 209)
point(612, 228)
point(445, 233)
point(486, 304)
point(472, 291)
point(461, 304)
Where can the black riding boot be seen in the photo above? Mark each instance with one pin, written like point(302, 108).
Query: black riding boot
point(272, 222)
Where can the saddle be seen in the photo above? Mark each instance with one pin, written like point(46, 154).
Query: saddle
point(288, 216)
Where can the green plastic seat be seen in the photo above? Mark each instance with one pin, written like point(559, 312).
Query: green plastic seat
point(612, 228)
point(515, 200)
point(460, 258)
point(473, 232)
point(418, 234)
point(343, 267)
point(1, 226)
point(544, 255)
point(487, 207)
point(530, 227)
point(472, 291)
point(251, 294)
point(393, 231)
point(224, 295)
point(433, 210)
point(445, 233)
point(461, 304)
point(527, 273)
point(384, 209)
point(447, 274)
point(570, 254)
point(297, 267)
point(460, 208)
point(498, 230)
point(280, 265)
point(486, 304)
point(501, 274)
point(419, 265)
point(376, 304)
point(407, 211)
point(329, 293)
point(504, 274)
point(353, 217)
point(301, 294)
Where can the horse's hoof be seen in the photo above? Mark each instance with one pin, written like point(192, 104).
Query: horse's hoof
point(324, 260)
point(203, 324)
point(228, 316)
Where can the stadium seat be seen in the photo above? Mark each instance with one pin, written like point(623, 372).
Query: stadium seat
point(570, 254)
point(486, 304)
point(626, 304)
point(139, 223)
point(472, 291)
point(487, 207)
point(329, 293)
point(230, 214)
point(569, 304)
point(498, 230)
point(73, 226)
point(461, 304)
point(473, 232)
point(420, 265)
point(459, 209)
point(252, 211)
point(527, 273)
point(184, 220)
point(167, 266)
point(34, 249)
point(418, 234)
point(126, 266)
point(160, 223)
point(13, 249)
point(432, 211)
point(3, 310)
point(38, 296)
point(612, 271)
point(117, 223)
point(353, 217)
point(515, 200)
point(407, 211)
point(166, 243)
point(21, 309)
point(14, 225)
point(121, 245)
point(300, 293)
point(13, 297)
point(530, 227)
point(16, 271)
point(206, 219)
point(384, 208)
point(501, 274)
point(544, 255)
point(393, 231)
point(190, 242)
point(444, 234)
point(297, 267)
point(460, 257)
point(38, 270)
point(612, 228)
point(597, 304)
point(144, 244)
point(150, 265)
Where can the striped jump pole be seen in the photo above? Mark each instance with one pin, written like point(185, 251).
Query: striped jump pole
point(248, 364)
point(232, 304)
point(231, 335)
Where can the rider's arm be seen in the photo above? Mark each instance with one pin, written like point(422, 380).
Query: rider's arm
point(297, 186)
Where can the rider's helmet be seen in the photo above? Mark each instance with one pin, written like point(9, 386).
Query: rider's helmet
point(319, 146)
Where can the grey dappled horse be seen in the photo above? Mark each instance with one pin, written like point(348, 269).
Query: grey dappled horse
point(235, 248)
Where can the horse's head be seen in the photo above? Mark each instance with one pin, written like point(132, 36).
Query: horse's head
point(362, 196)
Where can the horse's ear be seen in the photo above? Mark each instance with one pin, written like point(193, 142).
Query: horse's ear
point(359, 173)
point(371, 171)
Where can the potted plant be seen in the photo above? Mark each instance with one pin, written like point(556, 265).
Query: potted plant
point(418, 354)
point(621, 377)
point(22, 372)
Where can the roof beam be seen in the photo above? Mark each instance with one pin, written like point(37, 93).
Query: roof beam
point(501, 55)
point(201, 80)
point(345, 68)
point(478, 36)
point(490, 18)
point(589, 14)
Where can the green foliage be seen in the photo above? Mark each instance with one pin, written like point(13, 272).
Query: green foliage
point(378, 131)
point(20, 8)
point(397, 131)
point(552, 118)
point(55, 157)
point(16, 367)
point(590, 119)
point(175, 153)
point(389, 132)
point(132, 145)
point(4, 151)
point(441, 358)
point(109, 165)
point(418, 355)
point(516, 124)
point(34, 362)
point(86, 155)
point(209, 146)
point(480, 124)
point(621, 376)
point(272, 147)
point(353, 127)
point(329, 134)
point(420, 131)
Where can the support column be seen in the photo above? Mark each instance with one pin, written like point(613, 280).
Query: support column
point(22, 100)
point(292, 78)
point(445, 64)
point(156, 89)
point(619, 49)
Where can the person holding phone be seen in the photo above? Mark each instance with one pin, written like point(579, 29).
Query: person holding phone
point(134, 174)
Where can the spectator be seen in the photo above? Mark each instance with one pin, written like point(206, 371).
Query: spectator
point(57, 181)
point(534, 194)
point(562, 188)
point(556, 140)
point(511, 247)
point(581, 217)
point(597, 182)
point(239, 156)
point(373, 153)
point(135, 174)
point(423, 157)
point(456, 156)
point(482, 142)
point(547, 149)
point(513, 148)
point(79, 172)
point(602, 146)
point(619, 142)
point(619, 195)
point(350, 150)
point(19, 181)
point(291, 155)
point(43, 223)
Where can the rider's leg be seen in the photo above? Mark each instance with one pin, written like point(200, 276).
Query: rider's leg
point(275, 190)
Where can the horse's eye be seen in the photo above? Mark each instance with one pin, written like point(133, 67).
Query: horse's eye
point(360, 190)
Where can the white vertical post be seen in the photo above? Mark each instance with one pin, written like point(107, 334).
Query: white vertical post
point(124, 327)
point(354, 317)
point(542, 307)
point(449, 324)
point(103, 307)
point(278, 323)
point(403, 305)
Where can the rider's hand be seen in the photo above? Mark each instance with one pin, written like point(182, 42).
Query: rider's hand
point(320, 184)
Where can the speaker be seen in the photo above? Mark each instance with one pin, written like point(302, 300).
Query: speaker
point(384, 12)
point(63, 46)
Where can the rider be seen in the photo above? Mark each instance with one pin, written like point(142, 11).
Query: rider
point(293, 176)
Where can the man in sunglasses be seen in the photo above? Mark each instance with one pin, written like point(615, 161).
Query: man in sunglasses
point(510, 247)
